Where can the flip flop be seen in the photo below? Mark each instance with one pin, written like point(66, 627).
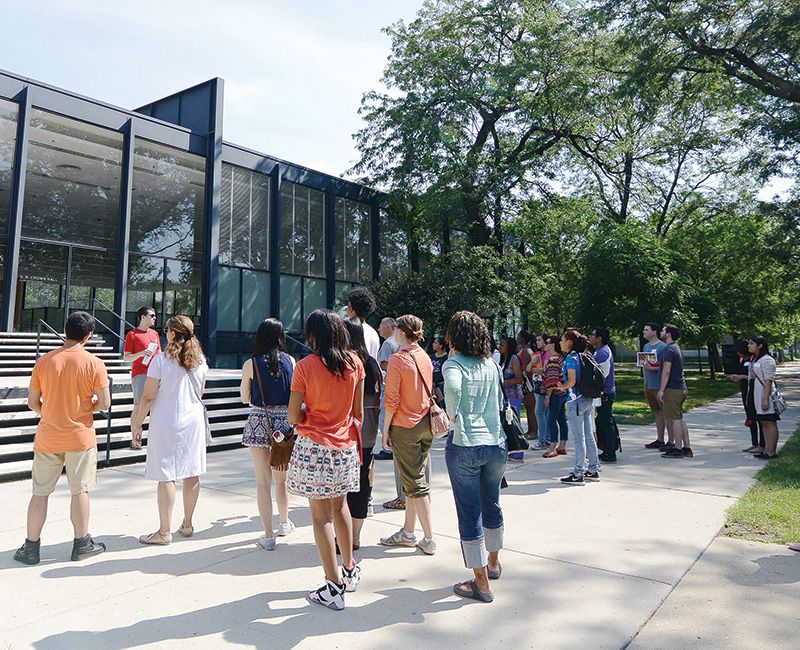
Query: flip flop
point(550, 454)
point(495, 575)
point(156, 539)
point(470, 590)
point(561, 452)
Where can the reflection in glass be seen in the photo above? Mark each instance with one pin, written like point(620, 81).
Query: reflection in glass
point(353, 241)
point(8, 138)
point(255, 299)
point(244, 218)
point(313, 296)
point(291, 306)
point(302, 230)
point(42, 281)
point(72, 182)
point(228, 299)
point(167, 209)
point(145, 286)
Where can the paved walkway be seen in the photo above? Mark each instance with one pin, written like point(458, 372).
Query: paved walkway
point(584, 567)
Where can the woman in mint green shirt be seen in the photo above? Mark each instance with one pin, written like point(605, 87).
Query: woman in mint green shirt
point(476, 451)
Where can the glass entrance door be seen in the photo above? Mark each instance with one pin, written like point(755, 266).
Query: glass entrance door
point(56, 279)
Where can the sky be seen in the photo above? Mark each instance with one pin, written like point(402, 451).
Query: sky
point(294, 72)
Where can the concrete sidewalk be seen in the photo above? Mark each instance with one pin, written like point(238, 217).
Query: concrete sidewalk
point(584, 567)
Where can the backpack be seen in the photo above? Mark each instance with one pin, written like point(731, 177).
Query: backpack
point(591, 380)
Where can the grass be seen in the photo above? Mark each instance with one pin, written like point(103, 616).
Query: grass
point(770, 510)
point(630, 406)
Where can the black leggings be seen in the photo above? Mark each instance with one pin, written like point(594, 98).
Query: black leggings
point(359, 501)
point(756, 429)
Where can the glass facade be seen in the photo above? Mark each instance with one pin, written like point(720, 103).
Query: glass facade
point(394, 246)
point(353, 241)
point(302, 230)
point(8, 138)
point(166, 236)
point(244, 218)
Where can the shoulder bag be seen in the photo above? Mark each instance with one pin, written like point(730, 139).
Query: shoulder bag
point(440, 421)
point(515, 439)
point(196, 386)
point(281, 433)
point(776, 397)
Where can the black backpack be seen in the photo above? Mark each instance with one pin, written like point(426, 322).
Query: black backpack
point(592, 379)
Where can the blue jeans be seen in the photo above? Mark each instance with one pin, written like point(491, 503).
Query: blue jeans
point(557, 419)
point(475, 474)
point(541, 418)
point(579, 415)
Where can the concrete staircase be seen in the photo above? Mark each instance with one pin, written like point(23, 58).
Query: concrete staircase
point(18, 423)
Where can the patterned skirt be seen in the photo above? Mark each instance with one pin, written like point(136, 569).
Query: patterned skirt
point(317, 472)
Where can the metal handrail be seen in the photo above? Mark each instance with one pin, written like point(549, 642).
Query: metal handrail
point(96, 301)
point(99, 322)
point(300, 343)
point(39, 335)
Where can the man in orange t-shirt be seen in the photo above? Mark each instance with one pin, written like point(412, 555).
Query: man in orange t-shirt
point(141, 344)
point(67, 386)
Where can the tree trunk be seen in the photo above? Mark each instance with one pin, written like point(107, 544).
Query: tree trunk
point(714, 360)
point(413, 255)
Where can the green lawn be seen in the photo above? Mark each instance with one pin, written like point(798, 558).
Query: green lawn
point(630, 406)
point(770, 510)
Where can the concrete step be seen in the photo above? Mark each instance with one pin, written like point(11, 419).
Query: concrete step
point(7, 348)
point(12, 355)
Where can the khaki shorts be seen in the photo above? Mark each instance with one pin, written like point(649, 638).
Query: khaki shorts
point(81, 471)
point(673, 403)
point(652, 402)
point(411, 449)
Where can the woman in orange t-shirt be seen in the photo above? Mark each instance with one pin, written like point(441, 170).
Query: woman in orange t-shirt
point(325, 463)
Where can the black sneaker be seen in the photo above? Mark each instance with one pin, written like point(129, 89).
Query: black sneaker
point(384, 455)
point(28, 553)
point(656, 444)
point(571, 478)
point(687, 452)
point(673, 453)
point(591, 476)
point(86, 547)
point(607, 459)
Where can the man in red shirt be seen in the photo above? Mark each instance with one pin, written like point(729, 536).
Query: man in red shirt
point(67, 386)
point(141, 345)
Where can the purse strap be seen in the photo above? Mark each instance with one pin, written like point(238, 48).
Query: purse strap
point(260, 384)
point(422, 379)
point(195, 385)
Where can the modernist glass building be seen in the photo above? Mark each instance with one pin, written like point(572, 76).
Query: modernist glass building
point(106, 207)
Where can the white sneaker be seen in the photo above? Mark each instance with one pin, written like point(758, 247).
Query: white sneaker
point(267, 543)
point(351, 577)
point(400, 538)
point(285, 529)
point(428, 546)
point(330, 595)
point(370, 510)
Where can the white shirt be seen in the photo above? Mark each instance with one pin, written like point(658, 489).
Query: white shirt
point(372, 340)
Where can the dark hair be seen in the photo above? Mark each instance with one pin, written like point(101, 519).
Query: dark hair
point(326, 334)
point(441, 341)
point(372, 371)
point(578, 340)
point(603, 334)
point(654, 326)
point(79, 325)
point(270, 340)
point(674, 332)
point(762, 341)
point(556, 341)
point(511, 345)
point(143, 311)
point(525, 334)
point(468, 334)
point(740, 345)
point(362, 301)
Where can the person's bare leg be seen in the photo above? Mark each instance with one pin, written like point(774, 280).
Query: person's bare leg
point(263, 473)
point(675, 433)
point(422, 509)
point(770, 438)
point(191, 491)
point(410, 522)
point(494, 560)
point(166, 503)
point(322, 522)
point(281, 495)
point(482, 580)
point(343, 525)
point(79, 514)
point(685, 434)
point(358, 524)
point(37, 514)
point(661, 427)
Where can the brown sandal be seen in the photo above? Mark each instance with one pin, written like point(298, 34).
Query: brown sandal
point(395, 504)
point(156, 539)
point(550, 454)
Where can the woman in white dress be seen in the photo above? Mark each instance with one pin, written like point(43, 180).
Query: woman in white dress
point(176, 441)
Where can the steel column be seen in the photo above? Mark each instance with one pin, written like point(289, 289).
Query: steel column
point(124, 230)
point(275, 180)
point(330, 246)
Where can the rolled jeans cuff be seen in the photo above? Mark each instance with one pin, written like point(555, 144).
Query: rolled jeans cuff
point(476, 551)
point(493, 538)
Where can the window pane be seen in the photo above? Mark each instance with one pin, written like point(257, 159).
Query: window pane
point(287, 227)
point(72, 181)
point(316, 230)
point(145, 285)
point(255, 299)
point(167, 209)
point(290, 303)
point(301, 209)
point(8, 138)
point(184, 280)
point(244, 218)
point(313, 296)
point(225, 216)
point(228, 299)
point(353, 241)
point(365, 246)
point(259, 232)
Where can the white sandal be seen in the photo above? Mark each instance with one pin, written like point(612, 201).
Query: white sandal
point(156, 539)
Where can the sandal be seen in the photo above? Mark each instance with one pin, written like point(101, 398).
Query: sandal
point(186, 531)
point(495, 575)
point(395, 504)
point(550, 454)
point(561, 452)
point(470, 590)
point(156, 539)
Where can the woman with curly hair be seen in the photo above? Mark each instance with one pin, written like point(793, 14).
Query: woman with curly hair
point(176, 441)
point(476, 451)
point(325, 460)
point(266, 384)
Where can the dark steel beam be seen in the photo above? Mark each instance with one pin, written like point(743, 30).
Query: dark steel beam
point(330, 246)
point(124, 230)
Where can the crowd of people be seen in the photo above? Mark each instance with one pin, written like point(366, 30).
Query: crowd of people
point(314, 424)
